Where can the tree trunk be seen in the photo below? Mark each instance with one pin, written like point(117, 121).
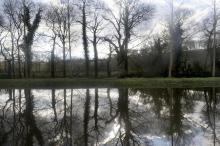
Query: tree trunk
point(126, 65)
point(86, 117)
point(171, 42)
point(9, 69)
point(28, 62)
point(109, 67)
point(64, 58)
point(109, 61)
point(123, 109)
point(53, 62)
point(95, 56)
point(53, 102)
point(19, 63)
point(214, 41)
point(12, 52)
point(69, 40)
point(85, 41)
point(96, 109)
point(127, 39)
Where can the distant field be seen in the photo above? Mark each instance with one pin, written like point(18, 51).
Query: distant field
point(111, 83)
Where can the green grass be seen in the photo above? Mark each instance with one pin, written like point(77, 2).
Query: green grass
point(111, 83)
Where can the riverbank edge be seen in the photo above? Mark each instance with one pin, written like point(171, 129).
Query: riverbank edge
point(111, 83)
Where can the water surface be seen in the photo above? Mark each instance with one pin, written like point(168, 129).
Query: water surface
point(109, 117)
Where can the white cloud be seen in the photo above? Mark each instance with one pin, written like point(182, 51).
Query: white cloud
point(201, 9)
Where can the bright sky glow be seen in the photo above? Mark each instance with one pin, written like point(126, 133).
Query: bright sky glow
point(200, 9)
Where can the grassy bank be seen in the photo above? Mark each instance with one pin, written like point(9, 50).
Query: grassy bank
point(129, 82)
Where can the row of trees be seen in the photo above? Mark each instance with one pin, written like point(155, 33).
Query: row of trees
point(102, 26)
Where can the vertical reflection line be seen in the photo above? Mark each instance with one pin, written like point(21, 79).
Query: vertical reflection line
point(170, 91)
point(96, 114)
point(19, 102)
point(86, 117)
point(110, 101)
point(54, 104)
point(14, 116)
point(214, 110)
point(65, 126)
point(71, 118)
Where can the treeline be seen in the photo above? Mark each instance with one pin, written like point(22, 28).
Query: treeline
point(121, 31)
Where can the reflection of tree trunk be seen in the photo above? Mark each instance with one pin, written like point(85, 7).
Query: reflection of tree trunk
point(30, 123)
point(170, 92)
point(65, 111)
point(124, 115)
point(20, 107)
point(54, 104)
point(214, 111)
point(126, 132)
point(96, 108)
point(175, 113)
point(19, 100)
point(14, 116)
point(71, 117)
point(211, 102)
point(110, 101)
point(29, 119)
point(86, 117)
point(96, 117)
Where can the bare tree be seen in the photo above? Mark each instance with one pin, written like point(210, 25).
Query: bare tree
point(109, 61)
point(210, 27)
point(214, 39)
point(58, 20)
point(1, 21)
point(51, 22)
point(9, 11)
point(131, 13)
point(83, 6)
point(61, 13)
point(29, 37)
point(69, 32)
point(96, 27)
point(177, 35)
point(6, 53)
point(171, 43)
point(13, 11)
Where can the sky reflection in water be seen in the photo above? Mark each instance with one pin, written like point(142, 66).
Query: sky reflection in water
point(106, 117)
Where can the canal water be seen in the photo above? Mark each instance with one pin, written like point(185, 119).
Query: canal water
point(110, 117)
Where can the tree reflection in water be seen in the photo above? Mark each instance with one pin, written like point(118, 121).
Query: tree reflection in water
point(106, 117)
point(31, 128)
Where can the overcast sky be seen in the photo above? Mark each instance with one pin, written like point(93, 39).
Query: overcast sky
point(200, 9)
